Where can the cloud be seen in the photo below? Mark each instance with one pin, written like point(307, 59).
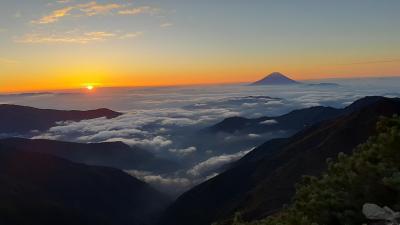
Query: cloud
point(173, 184)
point(139, 10)
point(249, 105)
point(167, 184)
point(178, 121)
point(183, 152)
point(274, 103)
point(166, 181)
point(63, 1)
point(74, 37)
point(161, 119)
point(131, 35)
point(169, 132)
point(47, 136)
point(254, 135)
point(54, 16)
point(269, 122)
point(239, 137)
point(165, 25)
point(111, 134)
point(152, 143)
point(93, 8)
point(215, 162)
point(99, 35)
point(124, 128)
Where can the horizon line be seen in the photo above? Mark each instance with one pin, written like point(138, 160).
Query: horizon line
point(82, 87)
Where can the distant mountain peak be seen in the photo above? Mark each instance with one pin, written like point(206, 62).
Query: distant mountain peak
point(275, 78)
point(276, 74)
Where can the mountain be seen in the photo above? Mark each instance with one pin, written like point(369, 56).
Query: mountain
point(42, 189)
point(275, 78)
point(368, 175)
point(264, 180)
point(16, 119)
point(292, 121)
point(112, 154)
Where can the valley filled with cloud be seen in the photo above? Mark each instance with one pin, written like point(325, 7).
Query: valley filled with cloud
point(175, 122)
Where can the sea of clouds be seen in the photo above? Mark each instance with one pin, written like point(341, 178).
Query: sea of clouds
point(171, 121)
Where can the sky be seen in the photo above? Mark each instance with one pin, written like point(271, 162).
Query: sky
point(66, 44)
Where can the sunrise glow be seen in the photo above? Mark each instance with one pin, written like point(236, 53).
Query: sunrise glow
point(62, 44)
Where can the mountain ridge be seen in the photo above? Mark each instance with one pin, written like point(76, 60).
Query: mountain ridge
point(112, 154)
point(275, 78)
point(38, 188)
point(247, 185)
point(293, 120)
point(20, 120)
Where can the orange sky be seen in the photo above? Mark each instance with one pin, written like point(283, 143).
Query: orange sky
point(71, 44)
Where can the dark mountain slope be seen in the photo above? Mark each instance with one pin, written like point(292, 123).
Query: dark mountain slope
point(112, 154)
point(307, 154)
point(37, 188)
point(16, 119)
point(369, 175)
point(295, 120)
point(263, 181)
point(275, 78)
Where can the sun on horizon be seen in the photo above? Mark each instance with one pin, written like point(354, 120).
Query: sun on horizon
point(89, 87)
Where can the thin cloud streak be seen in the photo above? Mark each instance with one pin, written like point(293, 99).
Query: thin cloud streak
point(372, 62)
point(73, 37)
point(165, 25)
point(54, 16)
point(131, 35)
point(93, 8)
point(63, 1)
point(139, 10)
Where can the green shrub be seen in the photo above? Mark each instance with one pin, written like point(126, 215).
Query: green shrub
point(370, 174)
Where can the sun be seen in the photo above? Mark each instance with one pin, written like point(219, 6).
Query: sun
point(89, 87)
